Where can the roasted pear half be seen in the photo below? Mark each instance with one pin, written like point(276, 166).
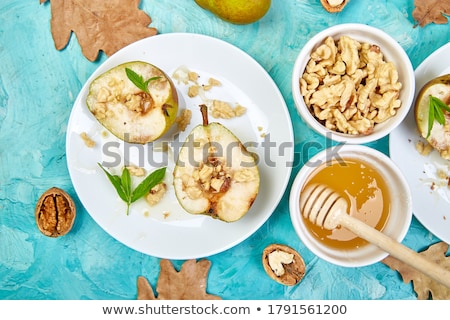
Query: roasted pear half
point(432, 114)
point(215, 174)
point(136, 101)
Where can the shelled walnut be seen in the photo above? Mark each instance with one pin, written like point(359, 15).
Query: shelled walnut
point(334, 5)
point(283, 264)
point(55, 213)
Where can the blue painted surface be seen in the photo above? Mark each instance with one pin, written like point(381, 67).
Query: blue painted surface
point(38, 86)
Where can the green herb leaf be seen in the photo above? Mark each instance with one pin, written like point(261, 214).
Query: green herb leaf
point(138, 80)
point(126, 182)
point(441, 104)
point(116, 182)
point(148, 183)
point(436, 112)
point(123, 184)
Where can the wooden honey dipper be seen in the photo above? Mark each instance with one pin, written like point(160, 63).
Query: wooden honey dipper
point(326, 208)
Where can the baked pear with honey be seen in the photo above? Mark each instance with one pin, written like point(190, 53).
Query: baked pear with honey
point(215, 174)
point(432, 114)
point(136, 101)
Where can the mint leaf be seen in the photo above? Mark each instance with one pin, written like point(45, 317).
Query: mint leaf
point(122, 184)
point(148, 183)
point(436, 112)
point(138, 80)
point(439, 103)
point(116, 182)
point(126, 182)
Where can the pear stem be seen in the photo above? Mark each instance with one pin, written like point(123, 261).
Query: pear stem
point(204, 111)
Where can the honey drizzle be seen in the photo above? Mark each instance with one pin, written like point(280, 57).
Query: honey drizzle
point(366, 193)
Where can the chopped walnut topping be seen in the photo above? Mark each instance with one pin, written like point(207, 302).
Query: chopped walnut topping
point(99, 110)
point(184, 119)
point(193, 76)
point(442, 174)
point(222, 109)
point(138, 102)
point(211, 177)
point(156, 194)
point(103, 95)
point(424, 148)
point(136, 171)
point(87, 140)
point(193, 91)
point(214, 82)
point(239, 110)
point(245, 175)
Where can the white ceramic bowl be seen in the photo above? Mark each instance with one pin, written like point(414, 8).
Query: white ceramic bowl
point(392, 52)
point(398, 221)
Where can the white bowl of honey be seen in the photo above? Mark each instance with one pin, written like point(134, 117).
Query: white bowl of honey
point(376, 193)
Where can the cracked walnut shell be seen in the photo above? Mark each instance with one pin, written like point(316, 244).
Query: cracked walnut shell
point(283, 264)
point(55, 213)
point(334, 5)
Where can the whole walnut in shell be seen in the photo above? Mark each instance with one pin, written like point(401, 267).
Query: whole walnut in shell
point(55, 213)
point(283, 264)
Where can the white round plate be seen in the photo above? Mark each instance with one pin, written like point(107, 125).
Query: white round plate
point(166, 230)
point(430, 191)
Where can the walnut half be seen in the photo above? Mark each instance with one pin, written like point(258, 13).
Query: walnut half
point(55, 213)
point(334, 5)
point(283, 264)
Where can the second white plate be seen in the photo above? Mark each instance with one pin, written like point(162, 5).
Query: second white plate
point(166, 230)
point(430, 191)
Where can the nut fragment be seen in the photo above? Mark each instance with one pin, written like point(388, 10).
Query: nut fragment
point(55, 213)
point(283, 264)
point(334, 5)
point(156, 194)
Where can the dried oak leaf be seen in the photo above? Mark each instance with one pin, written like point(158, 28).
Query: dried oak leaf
point(99, 25)
point(187, 284)
point(424, 286)
point(428, 11)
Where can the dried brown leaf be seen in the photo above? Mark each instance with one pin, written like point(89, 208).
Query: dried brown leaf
point(431, 11)
point(187, 284)
point(99, 25)
point(424, 286)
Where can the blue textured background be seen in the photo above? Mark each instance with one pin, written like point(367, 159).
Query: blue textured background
point(38, 86)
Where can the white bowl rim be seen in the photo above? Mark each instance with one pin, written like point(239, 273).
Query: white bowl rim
point(303, 58)
point(312, 244)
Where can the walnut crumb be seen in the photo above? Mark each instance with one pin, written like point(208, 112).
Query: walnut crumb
point(214, 82)
point(136, 171)
point(193, 76)
point(424, 148)
point(87, 140)
point(224, 110)
point(156, 194)
point(193, 91)
point(184, 119)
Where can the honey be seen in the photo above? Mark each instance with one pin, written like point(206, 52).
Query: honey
point(366, 193)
